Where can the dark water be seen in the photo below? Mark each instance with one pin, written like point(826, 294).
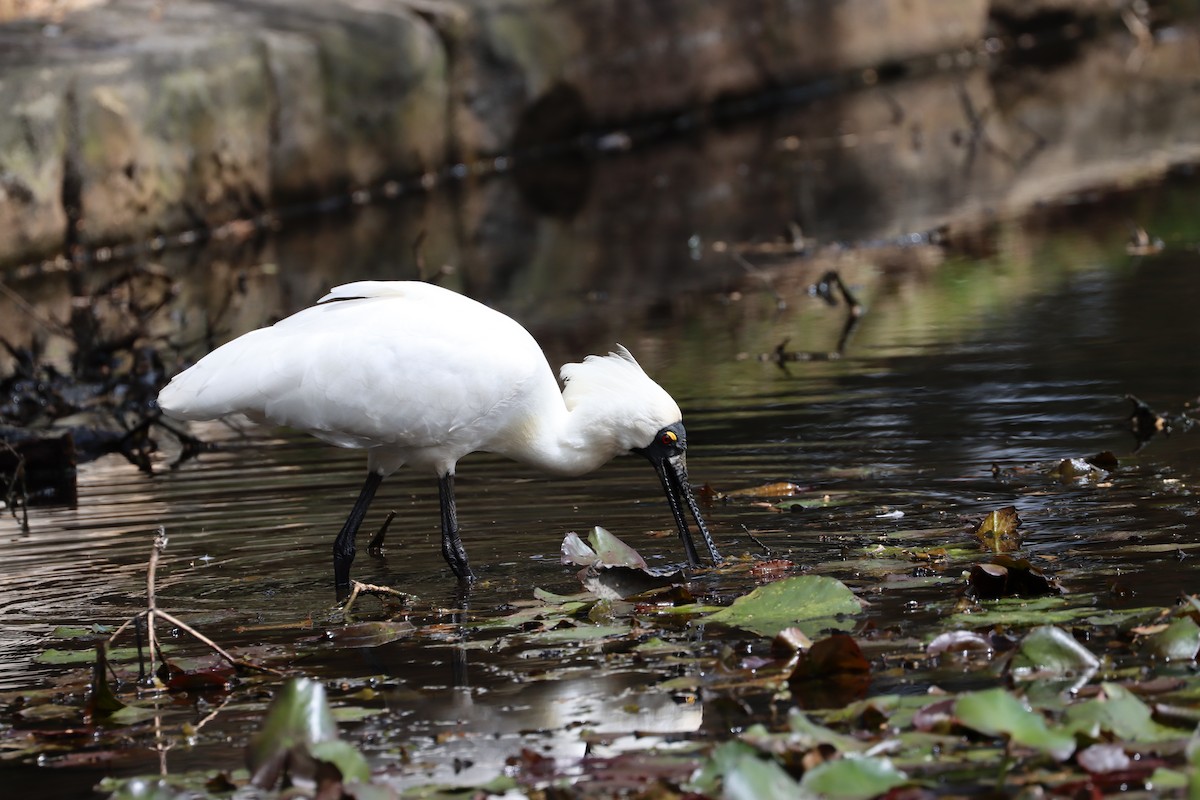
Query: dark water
point(966, 381)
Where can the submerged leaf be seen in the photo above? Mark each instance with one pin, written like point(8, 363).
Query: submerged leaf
point(997, 712)
point(809, 602)
point(370, 634)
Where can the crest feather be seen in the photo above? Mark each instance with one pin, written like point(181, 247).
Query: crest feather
point(614, 388)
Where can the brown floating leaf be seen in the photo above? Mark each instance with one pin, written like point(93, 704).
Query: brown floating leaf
point(1105, 461)
point(190, 674)
point(998, 531)
point(1009, 577)
point(830, 674)
point(832, 657)
point(778, 489)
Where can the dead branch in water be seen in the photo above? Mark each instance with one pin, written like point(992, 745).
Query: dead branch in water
point(153, 612)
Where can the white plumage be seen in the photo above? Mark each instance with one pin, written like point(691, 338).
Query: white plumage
point(416, 374)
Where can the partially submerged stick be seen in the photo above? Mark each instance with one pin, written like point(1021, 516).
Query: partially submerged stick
point(152, 611)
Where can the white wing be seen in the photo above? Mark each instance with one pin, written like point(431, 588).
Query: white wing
point(405, 364)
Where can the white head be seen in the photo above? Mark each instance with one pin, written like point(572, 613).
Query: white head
point(616, 395)
point(616, 407)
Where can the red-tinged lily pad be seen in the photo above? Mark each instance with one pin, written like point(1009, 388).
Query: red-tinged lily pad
point(998, 531)
point(997, 712)
point(1005, 576)
point(211, 673)
point(810, 602)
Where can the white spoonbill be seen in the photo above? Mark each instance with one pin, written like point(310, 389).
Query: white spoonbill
point(417, 374)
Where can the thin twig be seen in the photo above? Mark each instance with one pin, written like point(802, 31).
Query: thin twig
point(357, 587)
point(375, 548)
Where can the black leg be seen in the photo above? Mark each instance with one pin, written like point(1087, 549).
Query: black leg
point(343, 545)
point(452, 547)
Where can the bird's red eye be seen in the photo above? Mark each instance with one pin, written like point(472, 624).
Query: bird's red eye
point(668, 438)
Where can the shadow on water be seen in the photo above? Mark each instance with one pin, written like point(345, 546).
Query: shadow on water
point(979, 365)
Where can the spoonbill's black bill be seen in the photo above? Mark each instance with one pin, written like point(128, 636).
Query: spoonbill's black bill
point(416, 374)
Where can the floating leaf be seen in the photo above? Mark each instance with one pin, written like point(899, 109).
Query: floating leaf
point(1006, 576)
point(342, 755)
point(575, 551)
point(834, 656)
point(814, 735)
point(958, 642)
point(618, 583)
point(779, 489)
point(297, 718)
point(853, 778)
point(188, 674)
point(809, 602)
point(1103, 758)
point(997, 712)
point(737, 771)
point(101, 700)
point(1179, 641)
point(1122, 714)
point(1071, 469)
point(1048, 651)
point(998, 531)
point(611, 551)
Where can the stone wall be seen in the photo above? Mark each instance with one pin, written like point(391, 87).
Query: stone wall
point(135, 119)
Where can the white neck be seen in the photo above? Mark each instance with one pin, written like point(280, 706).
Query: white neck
point(561, 442)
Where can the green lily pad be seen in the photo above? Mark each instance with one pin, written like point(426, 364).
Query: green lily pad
point(297, 718)
point(1180, 641)
point(342, 755)
point(853, 778)
point(737, 771)
point(1048, 651)
point(997, 712)
point(809, 602)
point(1122, 714)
